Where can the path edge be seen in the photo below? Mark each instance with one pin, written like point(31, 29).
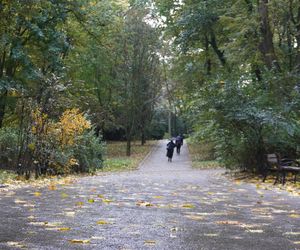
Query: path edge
point(154, 147)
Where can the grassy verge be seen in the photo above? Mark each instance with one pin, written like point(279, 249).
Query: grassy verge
point(202, 155)
point(6, 176)
point(117, 160)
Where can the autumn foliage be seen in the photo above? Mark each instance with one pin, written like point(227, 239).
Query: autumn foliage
point(56, 147)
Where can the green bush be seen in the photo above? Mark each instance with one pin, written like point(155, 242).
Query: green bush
point(88, 150)
point(8, 147)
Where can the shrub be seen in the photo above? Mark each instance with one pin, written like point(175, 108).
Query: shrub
point(8, 147)
point(88, 152)
point(62, 147)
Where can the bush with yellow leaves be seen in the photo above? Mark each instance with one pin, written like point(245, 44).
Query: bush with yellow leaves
point(65, 146)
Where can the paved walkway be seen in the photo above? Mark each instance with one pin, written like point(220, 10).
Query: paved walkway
point(161, 206)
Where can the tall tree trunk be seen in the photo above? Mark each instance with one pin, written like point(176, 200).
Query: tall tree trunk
point(128, 146)
point(214, 45)
point(143, 137)
point(298, 53)
point(296, 22)
point(266, 45)
point(3, 97)
point(207, 59)
point(170, 124)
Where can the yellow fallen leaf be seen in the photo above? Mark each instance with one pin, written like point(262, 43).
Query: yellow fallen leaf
point(102, 222)
point(37, 194)
point(79, 241)
point(187, 205)
point(106, 201)
point(150, 242)
point(79, 203)
point(64, 195)
point(100, 196)
point(52, 187)
point(91, 200)
point(144, 204)
point(157, 197)
point(64, 229)
point(294, 215)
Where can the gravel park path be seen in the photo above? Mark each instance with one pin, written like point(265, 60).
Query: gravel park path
point(160, 206)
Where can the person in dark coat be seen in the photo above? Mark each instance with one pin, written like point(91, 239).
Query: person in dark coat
point(179, 143)
point(170, 150)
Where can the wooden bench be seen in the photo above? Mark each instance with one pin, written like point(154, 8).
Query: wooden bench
point(281, 166)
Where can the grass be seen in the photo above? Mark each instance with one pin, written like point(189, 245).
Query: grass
point(116, 159)
point(6, 176)
point(202, 155)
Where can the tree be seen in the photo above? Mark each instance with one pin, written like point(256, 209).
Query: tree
point(235, 64)
point(33, 45)
point(139, 74)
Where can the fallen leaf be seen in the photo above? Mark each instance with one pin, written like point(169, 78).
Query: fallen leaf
point(102, 222)
point(79, 241)
point(64, 195)
point(150, 242)
point(91, 200)
point(79, 203)
point(294, 215)
point(106, 201)
point(228, 222)
point(157, 197)
point(37, 194)
point(64, 229)
point(188, 205)
point(52, 187)
point(144, 204)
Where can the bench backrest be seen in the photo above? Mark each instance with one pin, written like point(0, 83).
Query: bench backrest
point(273, 161)
point(272, 158)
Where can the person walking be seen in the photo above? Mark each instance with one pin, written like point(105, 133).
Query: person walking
point(170, 150)
point(179, 143)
